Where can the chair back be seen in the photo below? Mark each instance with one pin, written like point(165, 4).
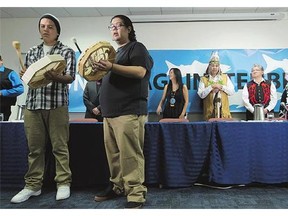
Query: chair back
point(220, 119)
point(173, 120)
point(83, 120)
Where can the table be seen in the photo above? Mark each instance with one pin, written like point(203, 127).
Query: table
point(175, 153)
point(88, 161)
point(14, 152)
point(247, 152)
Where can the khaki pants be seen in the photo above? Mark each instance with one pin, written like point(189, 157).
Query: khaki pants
point(124, 142)
point(40, 126)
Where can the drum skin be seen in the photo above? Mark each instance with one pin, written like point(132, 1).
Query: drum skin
point(34, 75)
point(102, 50)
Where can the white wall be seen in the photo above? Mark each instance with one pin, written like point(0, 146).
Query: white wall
point(185, 35)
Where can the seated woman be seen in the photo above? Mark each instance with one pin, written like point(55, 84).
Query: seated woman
point(175, 97)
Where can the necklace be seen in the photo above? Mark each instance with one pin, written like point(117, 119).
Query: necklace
point(172, 99)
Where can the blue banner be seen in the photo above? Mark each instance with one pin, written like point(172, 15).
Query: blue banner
point(237, 63)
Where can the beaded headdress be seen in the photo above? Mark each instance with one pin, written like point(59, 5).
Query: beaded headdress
point(214, 59)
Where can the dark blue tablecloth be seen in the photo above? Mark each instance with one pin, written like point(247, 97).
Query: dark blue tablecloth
point(175, 152)
point(14, 152)
point(247, 152)
point(88, 160)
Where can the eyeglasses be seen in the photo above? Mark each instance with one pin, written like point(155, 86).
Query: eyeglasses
point(113, 27)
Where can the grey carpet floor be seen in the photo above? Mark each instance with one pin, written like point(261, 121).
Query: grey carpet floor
point(196, 197)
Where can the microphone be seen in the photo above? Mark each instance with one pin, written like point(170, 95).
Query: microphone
point(217, 100)
point(75, 42)
point(218, 105)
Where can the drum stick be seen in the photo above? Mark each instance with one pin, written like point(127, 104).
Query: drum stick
point(75, 42)
point(16, 45)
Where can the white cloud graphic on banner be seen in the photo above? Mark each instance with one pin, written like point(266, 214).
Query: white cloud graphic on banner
point(273, 64)
point(195, 68)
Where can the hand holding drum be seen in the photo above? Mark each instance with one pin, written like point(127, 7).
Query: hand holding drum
point(43, 71)
point(91, 65)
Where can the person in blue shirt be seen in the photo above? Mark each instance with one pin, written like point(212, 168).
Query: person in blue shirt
point(10, 87)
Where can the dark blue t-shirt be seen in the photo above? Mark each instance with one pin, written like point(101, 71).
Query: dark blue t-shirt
point(121, 95)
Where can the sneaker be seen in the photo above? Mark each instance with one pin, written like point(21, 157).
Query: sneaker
point(63, 192)
point(24, 195)
point(134, 205)
point(107, 194)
